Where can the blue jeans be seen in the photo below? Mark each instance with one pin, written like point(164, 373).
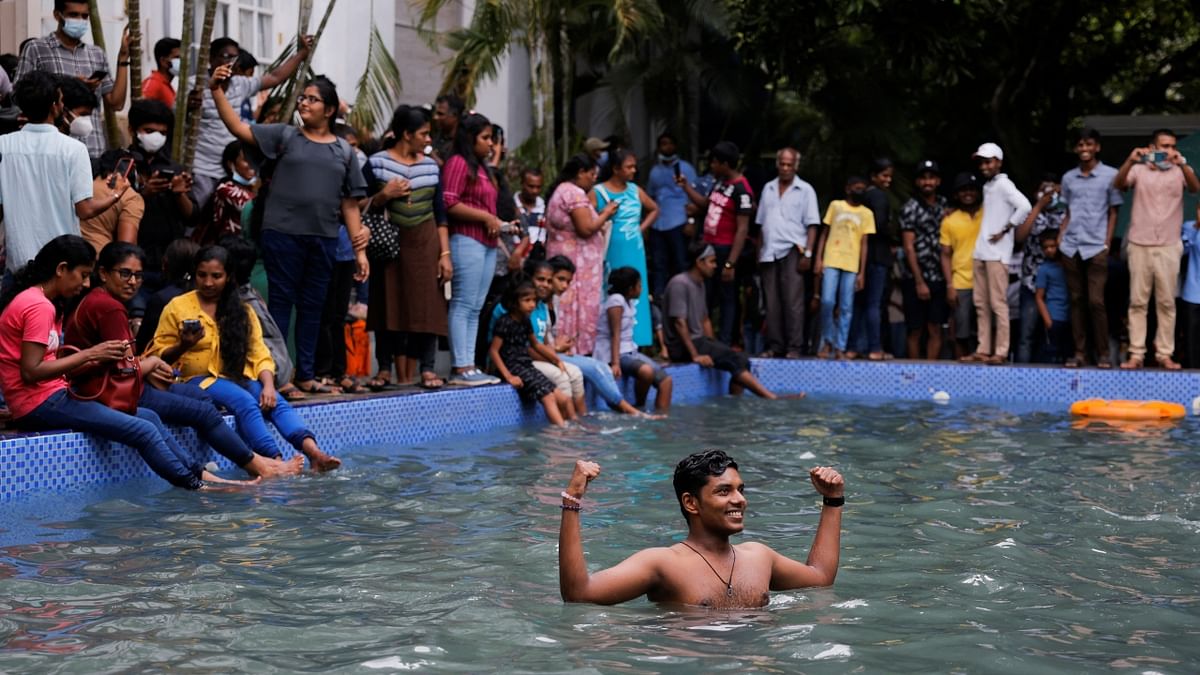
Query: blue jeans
point(144, 433)
point(242, 401)
point(599, 375)
point(1031, 328)
point(299, 268)
point(474, 267)
point(182, 410)
point(668, 257)
point(837, 290)
point(865, 330)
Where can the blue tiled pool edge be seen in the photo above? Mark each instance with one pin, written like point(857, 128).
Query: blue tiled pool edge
point(42, 463)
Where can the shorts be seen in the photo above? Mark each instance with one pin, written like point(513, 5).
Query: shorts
point(569, 382)
point(724, 358)
point(964, 314)
point(633, 361)
point(917, 312)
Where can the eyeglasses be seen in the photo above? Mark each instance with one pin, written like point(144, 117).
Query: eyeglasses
point(126, 274)
point(302, 98)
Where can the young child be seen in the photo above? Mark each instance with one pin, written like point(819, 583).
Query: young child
point(512, 350)
point(841, 258)
point(615, 345)
point(1053, 302)
point(233, 193)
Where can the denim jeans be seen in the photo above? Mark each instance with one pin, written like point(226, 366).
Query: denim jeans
point(242, 401)
point(600, 376)
point(1031, 328)
point(182, 410)
point(474, 267)
point(299, 268)
point(865, 328)
point(144, 433)
point(837, 290)
point(668, 257)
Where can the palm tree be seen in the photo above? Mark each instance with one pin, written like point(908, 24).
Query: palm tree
point(185, 58)
point(378, 89)
point(201, 80)
point(133, 9)
point(112, 133)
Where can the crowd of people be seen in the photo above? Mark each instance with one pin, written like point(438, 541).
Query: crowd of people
point(229, 282)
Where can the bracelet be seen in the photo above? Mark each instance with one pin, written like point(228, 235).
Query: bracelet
point(833, 501)
point(571, 507)
point(571, 498)
point(123, 63)
point(444, 254)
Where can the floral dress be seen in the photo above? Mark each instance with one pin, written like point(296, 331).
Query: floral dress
point(579, 307)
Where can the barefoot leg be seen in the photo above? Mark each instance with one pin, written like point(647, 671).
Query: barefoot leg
point(551, 403)
point(662, 399)
point(641, 385)
point(748, 380)
point(318, 458)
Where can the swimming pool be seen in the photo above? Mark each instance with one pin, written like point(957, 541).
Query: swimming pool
point(976, 538)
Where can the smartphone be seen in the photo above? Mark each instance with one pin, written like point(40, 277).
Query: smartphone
point(168, 174)
point(98, 75)
point(191, 325)
point(1158, 156)
point(677, 169)
point(124, 166)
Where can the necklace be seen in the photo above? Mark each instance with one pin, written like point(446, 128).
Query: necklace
point(728, 584)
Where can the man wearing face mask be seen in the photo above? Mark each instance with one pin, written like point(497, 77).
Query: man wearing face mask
point(63, 52)
point(78, 104)
point(668, 241)
point(163, 184)
point(1158, 175)
point(158, 86)
point(45, 176)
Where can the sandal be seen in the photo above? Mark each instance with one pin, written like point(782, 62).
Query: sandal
point(1103, 364)
point(995, 360)
point(349, 385)
point(1169, 363)
point(974, 358)
point(1073, 362)
point(381, 383)
point(317, 388)
point(1134, 363)
point(291, 394)
point(431, 381)
point(880, 356)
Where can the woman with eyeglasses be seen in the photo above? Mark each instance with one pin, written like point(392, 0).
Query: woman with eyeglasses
point(312, 182)
point(101, 316)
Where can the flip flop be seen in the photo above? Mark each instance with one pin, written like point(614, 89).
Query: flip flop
point(348, 385)
point(431, 383)
point(316, 388)
point(291, 394)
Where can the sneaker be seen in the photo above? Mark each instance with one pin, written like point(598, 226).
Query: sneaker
point(472, 378)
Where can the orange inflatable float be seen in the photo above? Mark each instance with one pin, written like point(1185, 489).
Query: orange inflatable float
point(1128, 410)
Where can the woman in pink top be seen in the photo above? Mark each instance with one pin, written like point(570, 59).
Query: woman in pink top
point(578, 232)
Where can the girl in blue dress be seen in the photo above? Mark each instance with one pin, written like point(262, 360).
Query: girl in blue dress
point(637, 211)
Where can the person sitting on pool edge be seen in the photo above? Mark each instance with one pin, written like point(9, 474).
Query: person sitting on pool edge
point(703, 569)
point(689, 331)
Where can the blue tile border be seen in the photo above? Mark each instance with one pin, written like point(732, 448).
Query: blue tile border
point(49, 462)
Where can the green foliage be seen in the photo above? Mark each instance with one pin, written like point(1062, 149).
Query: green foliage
point(378, 89)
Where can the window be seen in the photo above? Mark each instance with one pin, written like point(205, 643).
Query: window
point(255, 27)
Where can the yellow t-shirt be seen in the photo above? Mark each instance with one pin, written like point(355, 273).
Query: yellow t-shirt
point(205, 357)
point(847, 225)
point(959, 231)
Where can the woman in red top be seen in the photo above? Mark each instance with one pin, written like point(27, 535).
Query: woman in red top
point(470, 197)
point(102, 316)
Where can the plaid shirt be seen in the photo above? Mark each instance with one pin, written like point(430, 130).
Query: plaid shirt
point(52, 56)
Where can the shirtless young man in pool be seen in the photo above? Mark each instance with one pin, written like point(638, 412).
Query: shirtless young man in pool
point(705, 569)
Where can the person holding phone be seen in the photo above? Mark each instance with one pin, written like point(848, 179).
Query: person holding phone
point(121, 222)
point(64, 52)
point(164, 185)
point(668, 236)
point(1158, 175)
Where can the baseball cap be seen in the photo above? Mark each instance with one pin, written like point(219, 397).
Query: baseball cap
point(593, 144)
point(929, 166)
point(989, 151)
point(965, 180)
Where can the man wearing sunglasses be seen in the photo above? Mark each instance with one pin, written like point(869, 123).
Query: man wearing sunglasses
point(207, 169)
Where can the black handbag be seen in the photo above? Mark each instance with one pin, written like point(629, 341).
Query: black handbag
point(384, 244)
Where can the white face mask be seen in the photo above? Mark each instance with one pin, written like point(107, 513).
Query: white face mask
point(81, 127)
point(175, 66)
point(152, 142)
point(76, 28)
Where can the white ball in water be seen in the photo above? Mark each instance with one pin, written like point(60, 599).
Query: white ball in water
point(941, 397)
point(1196, 406)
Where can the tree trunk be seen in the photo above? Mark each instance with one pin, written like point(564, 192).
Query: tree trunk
point(288, 106)
point(112, 134)
point(193, 127)
point(133, 8)
point(185, 67)
point(568, 81)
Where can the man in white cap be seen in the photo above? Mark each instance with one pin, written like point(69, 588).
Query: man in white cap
point(1004, 209)
point(597, 149)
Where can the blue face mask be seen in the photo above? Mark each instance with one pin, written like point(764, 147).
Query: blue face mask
point(242, 180)
point(602, 160)
point(75, 28)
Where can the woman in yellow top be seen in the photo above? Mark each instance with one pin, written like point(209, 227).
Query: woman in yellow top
point(215, 341)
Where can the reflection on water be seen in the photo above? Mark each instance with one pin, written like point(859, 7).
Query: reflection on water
point(975, 539)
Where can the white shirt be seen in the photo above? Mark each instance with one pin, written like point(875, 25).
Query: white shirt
point(785, 219)
point(533, 218)
point(43, 174)
point(1003, 204)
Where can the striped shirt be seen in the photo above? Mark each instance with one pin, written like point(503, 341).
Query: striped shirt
point(422, 177)
point(52, 56)
point(480, 195)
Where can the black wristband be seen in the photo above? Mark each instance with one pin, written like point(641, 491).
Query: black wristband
point(833, 501)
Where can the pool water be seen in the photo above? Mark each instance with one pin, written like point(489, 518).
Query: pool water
point(975, 539)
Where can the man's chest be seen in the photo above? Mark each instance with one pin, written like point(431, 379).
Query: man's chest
point(693, 582)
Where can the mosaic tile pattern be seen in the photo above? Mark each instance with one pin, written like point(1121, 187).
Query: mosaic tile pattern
point(49, 462)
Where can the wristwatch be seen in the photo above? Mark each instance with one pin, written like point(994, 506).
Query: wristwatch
point(728, 265)
point(807, 253)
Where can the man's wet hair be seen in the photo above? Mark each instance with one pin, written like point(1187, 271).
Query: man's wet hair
point(693, 472)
